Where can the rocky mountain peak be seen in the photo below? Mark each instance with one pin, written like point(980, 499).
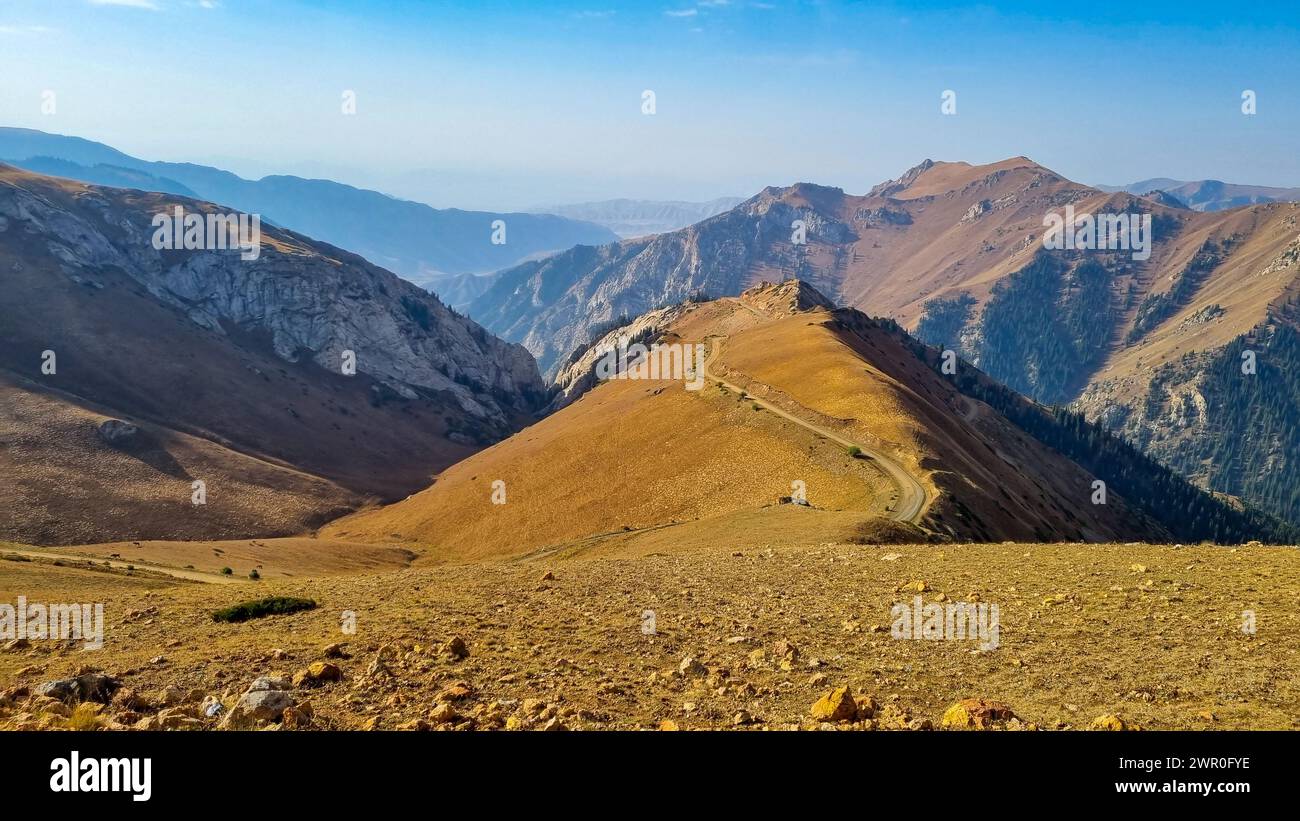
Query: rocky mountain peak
point(788, 297)
point(890, 187)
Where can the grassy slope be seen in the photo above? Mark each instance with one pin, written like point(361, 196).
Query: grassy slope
point(633, 454)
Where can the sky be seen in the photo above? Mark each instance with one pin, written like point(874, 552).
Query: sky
point(495, 105)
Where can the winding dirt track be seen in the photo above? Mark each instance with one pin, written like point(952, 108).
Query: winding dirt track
point(912, 498)
point(174, 572)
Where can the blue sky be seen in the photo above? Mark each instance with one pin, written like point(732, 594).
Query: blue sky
point(505, 105)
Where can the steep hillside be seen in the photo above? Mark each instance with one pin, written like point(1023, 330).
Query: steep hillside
point(224, 370)
point(796, 391)
point(409, 238)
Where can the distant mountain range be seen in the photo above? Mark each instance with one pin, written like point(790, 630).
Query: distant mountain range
point(1152, 348)
point(416, 241)
point(638, 218)
point(1208, 195)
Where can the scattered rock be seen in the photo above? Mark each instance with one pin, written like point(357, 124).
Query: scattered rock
point(298, 716)
point(691, 668)
point(258, 706)
point(837, 705)
point(1112, 722)
point(867, 707)
point(444, 713)
point(976, 714)
point(316, 674)
point(456, 691)
point(90, 686)
point(169, 696)
point(270, 683)
point(334, 651)
point(454, 648)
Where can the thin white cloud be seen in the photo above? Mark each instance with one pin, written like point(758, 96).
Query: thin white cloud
point(682, 12)
point(25, 30)
point(594, 15)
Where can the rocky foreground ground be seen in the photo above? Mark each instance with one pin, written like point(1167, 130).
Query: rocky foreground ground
point(760, 637)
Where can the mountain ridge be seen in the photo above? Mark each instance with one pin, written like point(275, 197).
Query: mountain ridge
point(955, 253)
point(796, 379)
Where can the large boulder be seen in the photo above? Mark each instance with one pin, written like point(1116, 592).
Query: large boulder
point(89, 686)
point(116, 432)
point(265, 701)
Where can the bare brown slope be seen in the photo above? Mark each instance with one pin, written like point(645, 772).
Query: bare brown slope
point(212, 358)
point(62, 483)
point(644, 456)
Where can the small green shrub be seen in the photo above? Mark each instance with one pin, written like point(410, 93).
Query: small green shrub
point(254, 575)
point(226, 571)
point(272, 606)
point(855, 451)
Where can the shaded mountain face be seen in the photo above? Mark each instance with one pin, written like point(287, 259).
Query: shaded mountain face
point(956, 254)
point(639, 218)
point(1209, 195)
point(647, 464)
point(412, 239)
point(222, 369)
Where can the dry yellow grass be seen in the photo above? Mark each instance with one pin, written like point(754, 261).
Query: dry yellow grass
point(628, 455)
point(634, 455)
point(45, 581)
